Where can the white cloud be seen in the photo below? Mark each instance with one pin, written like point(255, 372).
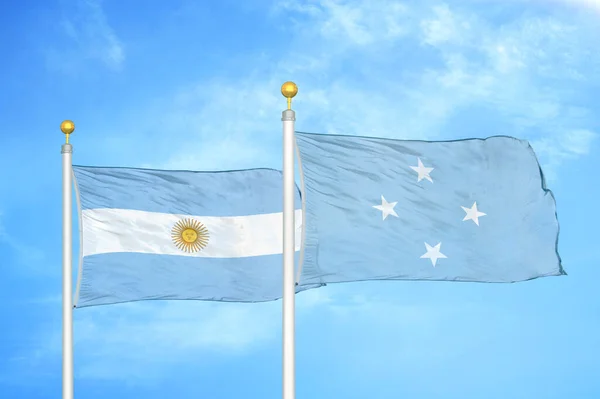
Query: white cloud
point(444, 27)
point(136, 341)
point(528, 73)
point(89, 37)
point(349, 23)
point(24, 254)
point(359, 70)
point(591, 5)
point(577, 142)
point(568, 145)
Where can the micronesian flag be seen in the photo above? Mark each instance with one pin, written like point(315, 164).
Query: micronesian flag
point(467, 210)
point(155, 234)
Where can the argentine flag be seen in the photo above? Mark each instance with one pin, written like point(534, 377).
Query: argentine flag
point(156, 234)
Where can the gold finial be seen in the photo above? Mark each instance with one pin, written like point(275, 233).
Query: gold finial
point(67, 127)
point(289, 90)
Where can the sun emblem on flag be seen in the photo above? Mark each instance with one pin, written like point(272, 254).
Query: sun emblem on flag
point(190, 235)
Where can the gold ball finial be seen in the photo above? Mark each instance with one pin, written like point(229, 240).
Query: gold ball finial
point(67, 127)
point(289, 90)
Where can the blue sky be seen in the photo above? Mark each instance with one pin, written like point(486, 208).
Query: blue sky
point(195, 85)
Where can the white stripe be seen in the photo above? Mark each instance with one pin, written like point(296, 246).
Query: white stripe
point(125, 230)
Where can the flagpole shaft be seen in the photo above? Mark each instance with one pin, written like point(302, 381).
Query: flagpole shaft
point(289, 288)
point(67, 267)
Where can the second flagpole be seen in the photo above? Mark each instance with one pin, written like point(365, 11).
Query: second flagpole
point(289, 90)
point(67, 127)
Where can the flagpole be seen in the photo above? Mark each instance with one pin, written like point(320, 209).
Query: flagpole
point(289, 90)
point(67, 127)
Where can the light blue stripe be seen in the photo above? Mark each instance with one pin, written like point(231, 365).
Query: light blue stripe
point(230, 193)
point(125, 277)
point(347, 240)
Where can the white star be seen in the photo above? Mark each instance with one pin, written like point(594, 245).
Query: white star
point(386, 208)
point(422, 171)
point(472, 213)
point(433, 253)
